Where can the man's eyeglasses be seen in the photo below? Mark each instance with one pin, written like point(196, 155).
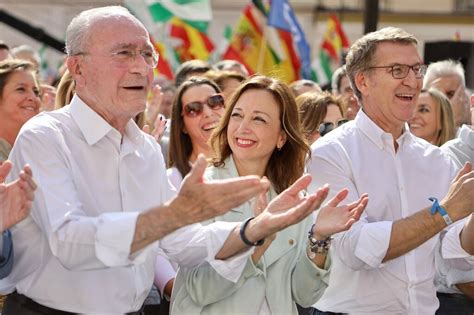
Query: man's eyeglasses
point(401, 71)
point(194, 109)
point(125, 57)
point(326, 127)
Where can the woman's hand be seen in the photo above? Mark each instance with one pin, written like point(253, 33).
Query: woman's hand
point(288, 208)
point(259, 205)
point(333, 218)
point(158, 129)
point(153, 105)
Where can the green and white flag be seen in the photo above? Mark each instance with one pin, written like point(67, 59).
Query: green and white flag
point(197, 13)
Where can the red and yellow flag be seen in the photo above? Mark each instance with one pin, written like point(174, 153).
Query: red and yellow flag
point(188, 42)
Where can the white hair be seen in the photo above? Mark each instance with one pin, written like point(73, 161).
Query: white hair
point(443, 68)
point(26, 49)
point(78, 31)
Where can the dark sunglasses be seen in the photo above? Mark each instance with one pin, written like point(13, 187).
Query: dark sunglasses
point(326, 127)
point(194, 109)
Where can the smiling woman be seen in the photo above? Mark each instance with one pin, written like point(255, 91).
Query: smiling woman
point(197, 108)
point(433, 119)
point(19, 100)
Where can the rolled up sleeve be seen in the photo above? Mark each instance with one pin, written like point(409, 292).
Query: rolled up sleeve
point(191, 245)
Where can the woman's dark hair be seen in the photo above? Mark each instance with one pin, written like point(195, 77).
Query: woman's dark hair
point(180, 145)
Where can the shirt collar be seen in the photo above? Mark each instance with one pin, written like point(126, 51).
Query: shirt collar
point(94, 127)
point(377, 134)
point(466, 135)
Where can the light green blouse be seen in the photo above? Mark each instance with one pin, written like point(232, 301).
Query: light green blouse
point(283, 276)
point(5, 149)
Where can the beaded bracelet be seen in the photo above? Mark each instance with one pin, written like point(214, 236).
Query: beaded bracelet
point(318, 246)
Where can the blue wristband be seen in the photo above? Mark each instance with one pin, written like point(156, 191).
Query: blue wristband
point(437, 208)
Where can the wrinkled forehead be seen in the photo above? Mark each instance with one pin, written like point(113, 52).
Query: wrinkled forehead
point(447, 83)
point(390, 53)
point(118, 32)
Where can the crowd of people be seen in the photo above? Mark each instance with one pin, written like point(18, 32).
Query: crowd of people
point(229, 193)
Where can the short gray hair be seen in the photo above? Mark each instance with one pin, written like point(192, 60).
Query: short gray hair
point(444, 68)
point(78, 31)
point(362, 51)
point(336, 79)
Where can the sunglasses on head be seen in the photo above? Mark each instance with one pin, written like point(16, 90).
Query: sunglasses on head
point(326, 127)
point(194, 109)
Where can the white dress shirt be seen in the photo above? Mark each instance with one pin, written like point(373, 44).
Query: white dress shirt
point(360, 156)
point(461, 149)
point(73, 252)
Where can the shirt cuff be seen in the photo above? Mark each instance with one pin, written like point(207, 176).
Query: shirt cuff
point(451, 245)
point(231, 268)
point(374, 239)
point(114, 237)
point(164, 272)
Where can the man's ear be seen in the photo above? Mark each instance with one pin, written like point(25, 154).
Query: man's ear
point(74, 65)
point(361, 82)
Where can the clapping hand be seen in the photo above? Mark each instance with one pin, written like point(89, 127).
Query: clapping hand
point(199, 200)
point(333, 218)
point(16, 198)
point(288, 208)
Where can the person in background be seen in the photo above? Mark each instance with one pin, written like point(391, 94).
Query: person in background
point(385, 264)
point(455, 286)
point(197, 108)
point(190, 68)
point(166, 104)
point(433, 119)
point(48, 97)
point(302, 86)
point(228, 81)
point(16, 199)
point(4, 51)
point(320, 113)
point(341, 86)
point(231, 65)
point(26, 52)
point(260, 135)
point(448, 77)
point(19, 100)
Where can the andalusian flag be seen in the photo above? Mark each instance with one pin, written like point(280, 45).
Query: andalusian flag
point(166, 62)
point(197, 13)
point(332, 47)
point(261, 48)
point(186, 26)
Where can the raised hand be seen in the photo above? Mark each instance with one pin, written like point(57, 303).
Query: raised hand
point(459, 201)
point(153, 105)
point(198, 200)
point(16, 198)
point(158, 128)
point(288, 208)
point(334, 218)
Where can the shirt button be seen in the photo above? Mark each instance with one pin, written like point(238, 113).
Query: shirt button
point(291, 241)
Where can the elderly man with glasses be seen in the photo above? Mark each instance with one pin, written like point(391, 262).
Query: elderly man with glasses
point(104, 206)
point(385, 263)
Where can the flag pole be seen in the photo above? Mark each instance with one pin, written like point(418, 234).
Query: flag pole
point(261, 52)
